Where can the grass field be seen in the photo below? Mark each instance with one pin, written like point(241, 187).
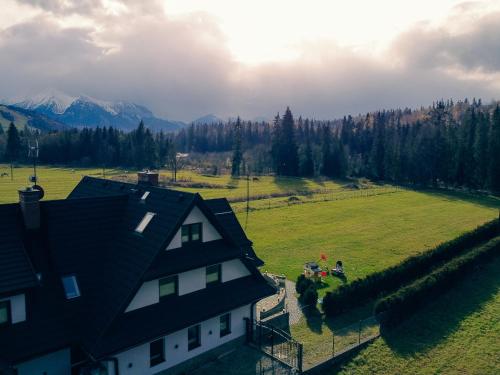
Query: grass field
point(368, 233)
point(458, 334)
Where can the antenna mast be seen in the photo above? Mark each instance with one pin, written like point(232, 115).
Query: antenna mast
point(33, 153)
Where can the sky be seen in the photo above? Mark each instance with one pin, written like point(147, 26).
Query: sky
point(187, 58)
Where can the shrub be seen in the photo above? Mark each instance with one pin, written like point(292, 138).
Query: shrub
point(396, 306)
point(302, 284)
point(310, 296)
point(383, 282)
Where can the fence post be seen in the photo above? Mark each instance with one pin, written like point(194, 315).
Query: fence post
point(333, 344)
point(272, 341)
point(299, 365)
point(359, 333)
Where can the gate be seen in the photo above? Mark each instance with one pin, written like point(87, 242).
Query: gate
point(276, 343)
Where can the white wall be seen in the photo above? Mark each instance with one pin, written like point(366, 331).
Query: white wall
point(17, 307)
point(147, 294)
point(189, 282)
point(139, 356)
point(57, 363)
point(209, 233)
point(193, 280)
point(234, 269)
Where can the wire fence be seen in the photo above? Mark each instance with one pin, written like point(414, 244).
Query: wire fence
point(333, 195)
point(340, 341)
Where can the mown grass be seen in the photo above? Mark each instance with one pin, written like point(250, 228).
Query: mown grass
point(457, 334)
point(368, 234)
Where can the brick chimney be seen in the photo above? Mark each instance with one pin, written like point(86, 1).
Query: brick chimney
point(147, 178)
point(29, 200)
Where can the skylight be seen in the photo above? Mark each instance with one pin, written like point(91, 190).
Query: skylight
point(71, 287)
point(144, 222)
point(144, 196)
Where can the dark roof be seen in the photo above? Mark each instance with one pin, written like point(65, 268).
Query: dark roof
point(91, 235)
point(160, 319)
point(225, 215)
point(183, 259)
point(16, 271)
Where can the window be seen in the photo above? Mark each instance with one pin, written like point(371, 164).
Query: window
point(145, 221)
point(71, 287)
point(156, 352)
point(191, 233)
point(4, 312)
point(169, 286)
point(194, 337)
point(225, 324)
point(213, 275)
point(144, 196)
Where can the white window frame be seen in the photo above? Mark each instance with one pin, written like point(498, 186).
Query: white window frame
point(145, 222)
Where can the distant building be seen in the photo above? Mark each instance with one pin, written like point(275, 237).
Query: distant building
point(122, 279)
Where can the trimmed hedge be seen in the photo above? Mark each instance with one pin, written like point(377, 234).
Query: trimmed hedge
point(397, 306)
point(361, 290)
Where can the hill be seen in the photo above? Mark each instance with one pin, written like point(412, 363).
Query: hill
point(86, 111)
point(22, 117)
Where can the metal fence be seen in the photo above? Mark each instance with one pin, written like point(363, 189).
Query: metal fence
point(276, 343)
point(340, 341)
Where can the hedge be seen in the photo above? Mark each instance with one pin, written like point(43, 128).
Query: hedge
point(395, 307)
point(379, 283)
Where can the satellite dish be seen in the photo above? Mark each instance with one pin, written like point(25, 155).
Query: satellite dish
point(40, 189)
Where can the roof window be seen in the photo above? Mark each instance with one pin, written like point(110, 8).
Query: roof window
point(144, 222)
point(144, 196)
point(71, 287)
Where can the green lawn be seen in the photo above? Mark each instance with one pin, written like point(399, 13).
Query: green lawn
point(367, 234)
point(458, 334)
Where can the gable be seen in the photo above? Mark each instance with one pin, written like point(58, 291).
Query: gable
point(208, 230)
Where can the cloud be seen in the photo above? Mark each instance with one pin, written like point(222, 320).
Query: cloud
point(182, 68)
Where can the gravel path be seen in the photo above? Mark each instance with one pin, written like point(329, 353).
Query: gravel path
point(292, 303)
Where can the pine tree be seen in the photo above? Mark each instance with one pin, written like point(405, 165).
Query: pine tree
point(237, 155)
point(289, 152)
point(494, 151)
point(327, 164)
point(306, 161)
point(13, 147)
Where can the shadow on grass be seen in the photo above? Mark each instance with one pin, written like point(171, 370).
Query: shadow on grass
point(314, 319)
point(292, 184)
point(477, 199)
point(234, 182)
point(438, 320)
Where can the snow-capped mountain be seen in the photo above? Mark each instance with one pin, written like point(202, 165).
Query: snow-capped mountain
point(86, 111)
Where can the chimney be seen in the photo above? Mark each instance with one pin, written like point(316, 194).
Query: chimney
point(147, 178)
point(29, 200)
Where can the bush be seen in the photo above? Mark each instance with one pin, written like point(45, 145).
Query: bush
point(396, 306)
point(302, 284)
point(383, 282)
point(310, 296)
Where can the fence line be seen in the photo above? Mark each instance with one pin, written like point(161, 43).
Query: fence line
point(341, 341)
point(260, 205)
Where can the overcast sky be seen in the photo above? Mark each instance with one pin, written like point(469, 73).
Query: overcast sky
point(187, 58)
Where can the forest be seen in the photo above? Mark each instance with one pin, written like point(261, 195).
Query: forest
point(447, 144)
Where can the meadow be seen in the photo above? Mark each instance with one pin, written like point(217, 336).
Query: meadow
point(457, 334)
point(369, 227)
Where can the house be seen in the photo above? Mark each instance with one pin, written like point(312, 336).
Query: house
point(124, 279)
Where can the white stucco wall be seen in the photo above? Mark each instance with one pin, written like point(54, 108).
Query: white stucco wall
point(209, 233)
point(189, 282)
point(234, 269)
point(57, 363)
point(17, 307)
point(147, 294)
point(139, 356)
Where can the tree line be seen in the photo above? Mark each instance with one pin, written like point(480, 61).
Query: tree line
point(446, 144)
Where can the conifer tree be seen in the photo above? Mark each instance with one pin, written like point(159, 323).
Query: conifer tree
point(237, 154)
point(494, 151)
point(13, 147)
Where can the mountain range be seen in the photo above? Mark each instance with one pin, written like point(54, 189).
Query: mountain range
point(86, 111)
